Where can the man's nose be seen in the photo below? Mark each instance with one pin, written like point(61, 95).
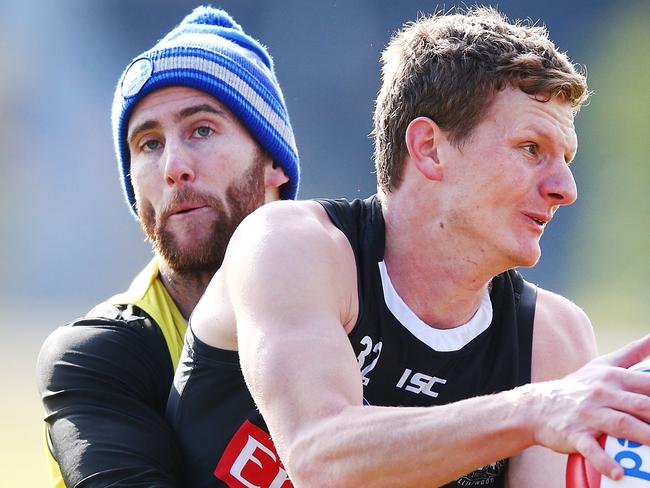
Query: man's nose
point(559, 186)
point(178, 169)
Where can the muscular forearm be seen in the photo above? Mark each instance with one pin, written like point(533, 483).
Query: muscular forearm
point(386, 446)
point(378, 446)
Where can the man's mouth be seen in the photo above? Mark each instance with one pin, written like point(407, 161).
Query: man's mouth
point(185, 209)
point(539, 219)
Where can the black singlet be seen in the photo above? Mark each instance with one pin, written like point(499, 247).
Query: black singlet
point(223, 437)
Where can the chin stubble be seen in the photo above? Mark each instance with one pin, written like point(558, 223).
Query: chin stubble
point(242, 197)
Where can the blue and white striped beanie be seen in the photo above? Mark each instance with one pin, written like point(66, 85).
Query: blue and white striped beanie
point(210, 52)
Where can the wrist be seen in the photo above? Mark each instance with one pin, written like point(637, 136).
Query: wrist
point(524, 411)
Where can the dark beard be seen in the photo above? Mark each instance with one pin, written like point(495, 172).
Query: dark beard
point(242, 197)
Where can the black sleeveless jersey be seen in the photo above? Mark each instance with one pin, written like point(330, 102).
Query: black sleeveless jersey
point(225, 440)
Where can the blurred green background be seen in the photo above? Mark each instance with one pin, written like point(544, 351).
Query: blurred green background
point(68, 240)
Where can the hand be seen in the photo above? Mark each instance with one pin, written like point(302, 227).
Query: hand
point(601, 397)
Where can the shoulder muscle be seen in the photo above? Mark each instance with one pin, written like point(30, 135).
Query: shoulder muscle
point(288, 255)
point(563, 339)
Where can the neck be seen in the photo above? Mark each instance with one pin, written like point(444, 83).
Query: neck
point(185, 288)
point(439, 276)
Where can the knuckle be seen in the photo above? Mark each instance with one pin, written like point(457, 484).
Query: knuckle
point(598, 393)
point(609, 374)
point(640, 403)
point(584, 446)
point(619, 423)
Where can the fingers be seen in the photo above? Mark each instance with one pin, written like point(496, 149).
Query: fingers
point(625, 426)
point(598, 458)
point(629, 354)
point(624, 419)
point(637, 382)
point(636, 404)
point(619, 412)
point(598, 385)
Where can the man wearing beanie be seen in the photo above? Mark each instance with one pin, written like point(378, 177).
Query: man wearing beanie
point(202, 138)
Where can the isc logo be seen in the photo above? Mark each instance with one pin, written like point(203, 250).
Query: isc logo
point(419, 383)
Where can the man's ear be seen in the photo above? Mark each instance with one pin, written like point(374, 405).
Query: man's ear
point(274, 176)
point(423, 137)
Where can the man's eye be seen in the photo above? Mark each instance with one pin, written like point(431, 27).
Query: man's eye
point(531, 149)
point(203, 131)
point(151, 145)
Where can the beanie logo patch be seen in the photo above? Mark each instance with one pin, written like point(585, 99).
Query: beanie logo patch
point(136, 76)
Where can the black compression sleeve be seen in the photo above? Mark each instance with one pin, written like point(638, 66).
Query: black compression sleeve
point(104, 385)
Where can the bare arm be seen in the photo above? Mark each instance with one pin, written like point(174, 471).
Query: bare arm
point(292, 282)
